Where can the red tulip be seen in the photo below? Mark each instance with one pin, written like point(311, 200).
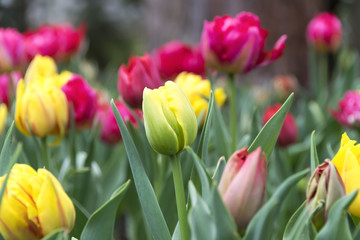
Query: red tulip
point(324, 32)
point(12, 49)
point(176, 57)
point(236, 44)
point(83, 99)
point(140, 73)
point(288, 133)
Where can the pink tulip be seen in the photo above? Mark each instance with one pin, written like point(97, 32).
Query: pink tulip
point(140, 73)
point(12, 49)
point(109, 129)
point(8, 82)
point(176, 57)
point(82, 98)
point(236, 44)
point(324, 32)
point(243, 184)
point(348, 113)
point(288, 133)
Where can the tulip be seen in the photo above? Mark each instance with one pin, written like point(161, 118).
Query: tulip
point(40, 69)
point(176, 57)
point(83, 99)
point(348, 113)
point(197, 90)
point(8, 83)
point(140, 73)
point(324, 32)
point(243, 184)
point(325, 186)
point(236, 44)
point(34, 205)
point(170, 121)
point(288, 133)
point(12, 49)
point(347, 162)
point(3, 115)
point(109, 129)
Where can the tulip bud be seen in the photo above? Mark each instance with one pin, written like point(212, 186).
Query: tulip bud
point(324, 32)
point(176, 57)
point(349, 107)
point(170, 121)
point(325, 186)
point(34, 205)
point(140, 73)
point(83, 99)
point(40, 68)
point(109, 130)
point(288, 133)
point(236, 44)
point(12, 50)
point(243, 184)
point(197, 90)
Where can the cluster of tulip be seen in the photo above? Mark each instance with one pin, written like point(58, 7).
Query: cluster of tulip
point(229, 181)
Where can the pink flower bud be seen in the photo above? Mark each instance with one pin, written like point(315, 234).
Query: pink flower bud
point(109, 129)
point(348, 113)
point(236, 44)
point(176, 57)
point(82, 98)
point(325, 185)
point(288, 133)
point(243, 184)
point(12, 50)
point(140, 73)
point(324, 32)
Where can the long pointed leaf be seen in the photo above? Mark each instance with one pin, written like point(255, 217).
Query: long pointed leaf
point(146, 193)
point(314, 159)
point(6, 151)
point(204, 137)
point(268, 135)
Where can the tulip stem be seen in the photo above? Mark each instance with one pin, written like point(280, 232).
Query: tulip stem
point(233, 111)
point(180, 198)
point(45, 157)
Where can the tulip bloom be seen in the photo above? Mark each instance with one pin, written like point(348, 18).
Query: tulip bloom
point(176, 57)
point(325, 185)
point(140, 73)
point(12, 49)
point(243, 184)
point(349, 110)
point(109, 130)
point(3, 115)
point(83, 99)
point(236, 44)
point(288, 133)
point(196, 90)
point(347, 162)
point(324, 32)
point(34, 205)
point(170, 121)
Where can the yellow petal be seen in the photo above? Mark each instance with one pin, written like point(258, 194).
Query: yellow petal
point(40, 68)
point(3, 115)
point(352, 183)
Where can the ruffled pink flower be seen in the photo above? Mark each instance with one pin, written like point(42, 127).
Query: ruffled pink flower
point(12, 50)
point(141, 72)
point(176, 57)
point(348, 113)
point(236, 44)
point(82, 98)
point(324, 32)
point(288, 133)
point(109, 130)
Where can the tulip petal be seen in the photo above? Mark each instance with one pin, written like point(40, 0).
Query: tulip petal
point(351, 180)
point(274, 54)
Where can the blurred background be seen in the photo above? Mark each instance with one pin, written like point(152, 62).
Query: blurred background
point(117, 29)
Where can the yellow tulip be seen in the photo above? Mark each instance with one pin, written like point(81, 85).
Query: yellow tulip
point(197, 90)
point(40, 68)
point(3, 115)
point(34, 205)
point(170, 121)
point(347, 162)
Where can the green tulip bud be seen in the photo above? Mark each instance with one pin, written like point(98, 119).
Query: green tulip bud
point(169, 119)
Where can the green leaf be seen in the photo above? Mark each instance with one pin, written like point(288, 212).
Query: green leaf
point(259, 227)
point(57, 235)
point(314, 159)
point(147, 197)
point(6, 151)
point(337, 225)
point(204, 136)
point(101, 223)
point(81, 219)
point(219, 169)
point(220, 134)
point(268, 135)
